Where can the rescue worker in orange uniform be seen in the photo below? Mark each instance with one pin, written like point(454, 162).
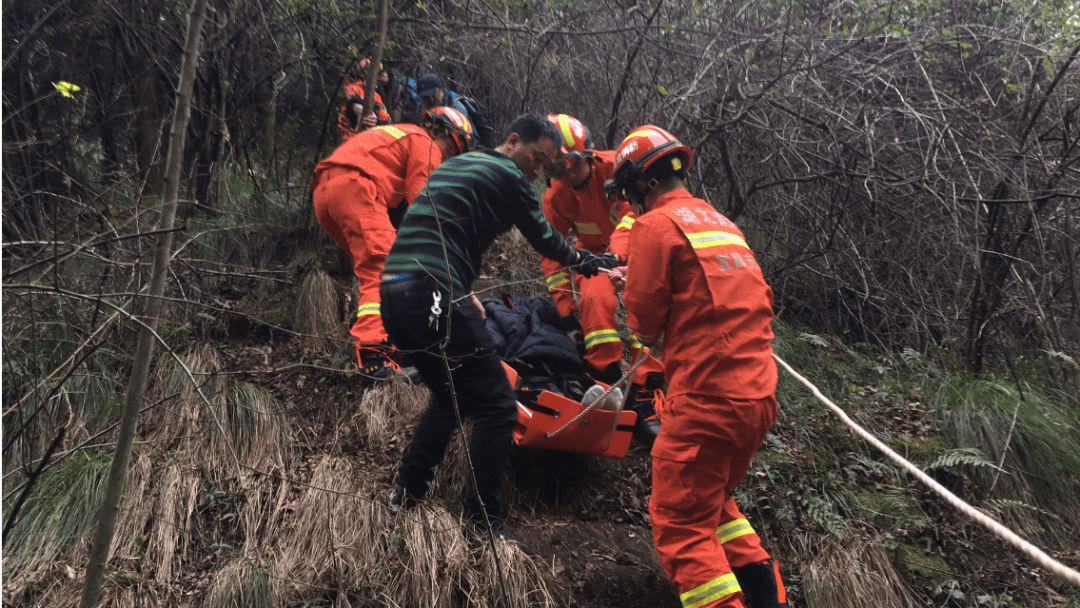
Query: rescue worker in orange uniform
point(353, 90)
point(692, 279)
point(367, 181)
point(576, 203)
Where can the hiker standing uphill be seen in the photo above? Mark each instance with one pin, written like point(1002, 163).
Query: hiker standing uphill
point(468, 201)
point(353, 90)
point(576, 203)
point(692, 278)
point(432, 94)
point(368, 180)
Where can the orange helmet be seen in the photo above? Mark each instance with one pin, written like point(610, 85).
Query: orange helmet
point(575, 135)
point(577, 144)
point(638, 156)
point(444, 120)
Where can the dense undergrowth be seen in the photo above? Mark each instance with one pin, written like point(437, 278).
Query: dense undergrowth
point(265, 486)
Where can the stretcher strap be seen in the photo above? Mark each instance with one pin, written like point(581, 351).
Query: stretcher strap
point(618, 413)
point(1006, 534)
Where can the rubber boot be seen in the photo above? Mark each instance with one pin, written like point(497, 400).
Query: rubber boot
point(761, 585)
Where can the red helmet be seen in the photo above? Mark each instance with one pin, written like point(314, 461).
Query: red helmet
point(444, 120)
point(577, 144)
point(639, 153)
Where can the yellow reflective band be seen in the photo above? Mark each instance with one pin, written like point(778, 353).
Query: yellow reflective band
point(704, 240)
point(567, 133)
point(710, 591)
point(392, 130)
point(626, 222)
point(643, 132)
point(734, 529)
point(601, 336)
point(368, 309)
point(586, 228)
point(635, 341)
point(558, 279)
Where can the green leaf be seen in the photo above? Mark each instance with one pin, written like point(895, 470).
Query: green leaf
point(663, 91)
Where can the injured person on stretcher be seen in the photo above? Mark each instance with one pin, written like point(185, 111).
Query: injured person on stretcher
point(560, 407)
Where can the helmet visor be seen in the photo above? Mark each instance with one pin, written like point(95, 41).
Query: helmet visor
point(566, 164)
point(440, 126)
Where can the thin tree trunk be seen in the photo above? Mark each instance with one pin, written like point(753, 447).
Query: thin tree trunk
point(375, 67)
point(613, 122)
point(106, 525)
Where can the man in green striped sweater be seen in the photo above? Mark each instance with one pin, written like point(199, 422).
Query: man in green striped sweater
point(430, 312)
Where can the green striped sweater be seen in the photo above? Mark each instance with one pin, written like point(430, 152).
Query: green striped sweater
point(468, 201)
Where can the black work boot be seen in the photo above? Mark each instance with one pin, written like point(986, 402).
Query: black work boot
point(609, 376)
point(476, 533)
point(761, 585)
point(642, 400)
point(400, 499)
point(376, 366)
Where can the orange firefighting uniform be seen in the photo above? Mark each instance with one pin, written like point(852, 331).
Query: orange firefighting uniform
point(355, 188)
point(355, 88)
point(693, 278)
point(600, 226)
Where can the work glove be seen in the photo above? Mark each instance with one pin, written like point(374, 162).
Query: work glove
point(590, 265)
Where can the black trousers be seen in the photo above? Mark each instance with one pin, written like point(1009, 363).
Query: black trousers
point(458, 341)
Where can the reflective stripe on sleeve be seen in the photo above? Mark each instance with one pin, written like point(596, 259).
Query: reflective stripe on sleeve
point(558, 279)
point(601, 336)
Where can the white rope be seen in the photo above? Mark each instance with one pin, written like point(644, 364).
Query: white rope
point(1034, 552)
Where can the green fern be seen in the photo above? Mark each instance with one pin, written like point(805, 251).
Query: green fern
point(813, 339)
point(971, 457)
point(821, 511)
point(1060, 356)
point(912, 356)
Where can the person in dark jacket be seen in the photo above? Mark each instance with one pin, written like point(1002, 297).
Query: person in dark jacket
point(430, 312)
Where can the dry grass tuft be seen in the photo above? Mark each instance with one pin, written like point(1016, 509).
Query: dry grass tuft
point(187, 450)
point(170, 540)
point(428, 558)
point(316, 315)
point(386, 409)
point(525, 586)
point(246, 583)
point(136, 508)
point(332, 538)
point(853, 574)
point(131, 592)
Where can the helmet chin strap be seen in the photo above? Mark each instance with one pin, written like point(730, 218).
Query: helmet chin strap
point(641, 194)
point(585, 182)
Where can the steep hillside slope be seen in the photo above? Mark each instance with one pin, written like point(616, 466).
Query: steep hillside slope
point(273, 491)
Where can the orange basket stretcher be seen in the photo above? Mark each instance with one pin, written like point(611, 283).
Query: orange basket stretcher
point(541, 415)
